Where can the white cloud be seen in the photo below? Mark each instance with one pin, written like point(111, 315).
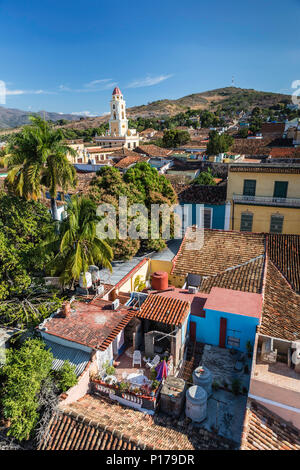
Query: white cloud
point(29, 92)
point(91, 87)
point(85, 114)
point(148, 81)
point(98, 82)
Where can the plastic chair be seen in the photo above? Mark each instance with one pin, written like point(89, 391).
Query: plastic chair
point(137, 358)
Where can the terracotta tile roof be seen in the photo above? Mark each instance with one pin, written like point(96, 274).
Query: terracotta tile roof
point(126, 162)
point(281, 308)
point(247, 278)
point(140, 430)
point(197, 300)
point(284, 251)
point(218, 251)
point(284, 152)
point(122, 152)
point(201, 194)
point(171, 311)
point(152, 150)
point(99, 150)
point(74, 432)
point(268, 168)
point(272, 128)
point(264, 430)
point(93, 324)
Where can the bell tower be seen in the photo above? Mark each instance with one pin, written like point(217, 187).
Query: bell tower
point(118, 123)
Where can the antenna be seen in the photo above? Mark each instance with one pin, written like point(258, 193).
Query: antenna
point(232, 81)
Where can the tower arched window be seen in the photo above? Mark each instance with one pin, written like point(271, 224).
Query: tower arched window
point(115, 116)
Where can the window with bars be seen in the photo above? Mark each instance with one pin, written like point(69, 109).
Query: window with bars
point(249, 187)
point(276, 224)
point(207, 214)
point(232, 341)
point(246, 222)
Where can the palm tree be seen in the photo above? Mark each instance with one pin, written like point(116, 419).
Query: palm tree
point(78, 244)
point(37, 157)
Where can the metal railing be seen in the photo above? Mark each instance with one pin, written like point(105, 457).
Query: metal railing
point(267, 200)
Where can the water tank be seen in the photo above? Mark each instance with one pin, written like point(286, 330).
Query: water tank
point(85, 280)
point(196, 403)
point(202, 377)
point(159, 280)
point(172, 396)
point(95, 272)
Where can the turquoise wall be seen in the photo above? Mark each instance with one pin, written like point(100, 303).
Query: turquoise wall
point(218, 216)
point(208, 328)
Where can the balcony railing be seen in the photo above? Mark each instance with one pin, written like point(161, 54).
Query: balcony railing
point(267, 200)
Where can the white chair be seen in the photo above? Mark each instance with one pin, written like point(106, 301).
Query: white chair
point(137, 358)
point(155, 361)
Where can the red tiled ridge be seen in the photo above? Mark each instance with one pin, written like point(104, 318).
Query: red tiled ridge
point(284, 251)
point(130, 160)
point(140, 430)
point(75, 432)
point(153, 150)
point(265, 169)
point(116, 331)
point(281, 307)
point(163, 309)
point(265, 430)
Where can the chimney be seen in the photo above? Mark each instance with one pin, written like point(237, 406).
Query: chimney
point(66, 309)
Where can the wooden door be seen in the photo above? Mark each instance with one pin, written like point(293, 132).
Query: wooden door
point(222, 337)
point(193, 328)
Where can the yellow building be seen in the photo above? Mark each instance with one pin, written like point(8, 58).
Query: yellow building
point(264, 197)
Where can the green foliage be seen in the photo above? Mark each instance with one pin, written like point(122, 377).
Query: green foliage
point(77, 243)
point(36, 158)
point(155, 384)
point(205, 178)
point(139, 284)
point(24, 225)
point(153, 374)
point(243, 132)
point(218, 143)
point(23, 373)
point(141, 184)
point(110, 370)
point(175, 138)
point(236, 386)
point(66, 377)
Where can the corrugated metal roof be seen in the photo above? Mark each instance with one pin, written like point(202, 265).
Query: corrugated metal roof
point(76, 357)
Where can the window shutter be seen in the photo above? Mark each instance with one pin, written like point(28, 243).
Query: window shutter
point(246, 222)
point(276, 223)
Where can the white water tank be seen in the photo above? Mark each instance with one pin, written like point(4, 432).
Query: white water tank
point(85, 280)
point(202, 377)
point(196, 403)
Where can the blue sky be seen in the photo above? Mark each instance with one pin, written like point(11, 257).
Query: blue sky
point(66, 56)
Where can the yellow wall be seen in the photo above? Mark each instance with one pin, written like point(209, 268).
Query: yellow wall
point(264, 183)
point(158, 265)
point(262, 217)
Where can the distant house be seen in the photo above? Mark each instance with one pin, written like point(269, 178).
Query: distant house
point(215, 214)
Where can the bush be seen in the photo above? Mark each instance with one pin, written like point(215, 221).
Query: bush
point(110, 370)
point(153, 374)
point(66, 377)
point(215, 385)
point(236, 386)
point(24, 372)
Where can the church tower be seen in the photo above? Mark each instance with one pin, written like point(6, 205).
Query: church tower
point(118, 124)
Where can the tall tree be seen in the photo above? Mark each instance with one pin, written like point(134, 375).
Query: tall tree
point(36, 157)
point(79, 245)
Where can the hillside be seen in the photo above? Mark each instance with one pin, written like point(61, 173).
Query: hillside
point(10, 117)
point(229, 97)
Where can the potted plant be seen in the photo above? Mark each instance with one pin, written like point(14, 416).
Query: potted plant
point(123, 387)
point(155, 385)
point(153, 374)
point(110, 370)
point(235, 386)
